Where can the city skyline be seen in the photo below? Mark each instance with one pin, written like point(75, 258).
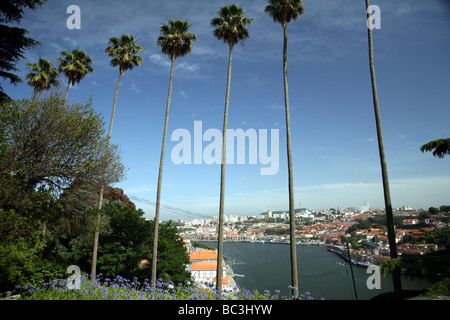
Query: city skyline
point(334, 142)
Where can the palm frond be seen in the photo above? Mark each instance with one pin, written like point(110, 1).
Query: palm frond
point(440, 147)
point(123, 52)
point(175, 40)
point(230, 25)
point(284, 11)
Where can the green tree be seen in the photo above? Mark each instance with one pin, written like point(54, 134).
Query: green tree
point(283, 12)
point(75, 65)
point(20, 248)
point(13, 40)
point(43, 76)
point(175, 41)
point(440, 147)
point(384, 172)
point(125, 242)
point(230, 26)
point(128, 240)
point(123, 52)
point(45, 144)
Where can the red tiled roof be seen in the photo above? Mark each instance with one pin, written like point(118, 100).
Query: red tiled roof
point(204, 265)
point(203, 255)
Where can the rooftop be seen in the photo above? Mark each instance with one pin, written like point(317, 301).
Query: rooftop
point(203, 255)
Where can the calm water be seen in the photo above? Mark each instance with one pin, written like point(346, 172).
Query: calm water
point(267, 266)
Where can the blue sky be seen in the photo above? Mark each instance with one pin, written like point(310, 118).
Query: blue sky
point(334, 144)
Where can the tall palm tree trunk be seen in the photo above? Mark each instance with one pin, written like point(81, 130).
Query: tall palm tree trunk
point(161, 165)
point(222, 181)
point(102, 188)
point(34, 96)
point(387, 195)
point(293, 246)
point(67, 93)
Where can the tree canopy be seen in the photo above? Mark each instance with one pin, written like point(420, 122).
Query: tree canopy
point(230, 25)
point(175, 40)
point(123, 50)
point(440, 147)
point(284, 11)
point(45, 144)
point(13, 40)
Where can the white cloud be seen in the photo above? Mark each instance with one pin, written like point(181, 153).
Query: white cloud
point(134, 88)
point(159, 60)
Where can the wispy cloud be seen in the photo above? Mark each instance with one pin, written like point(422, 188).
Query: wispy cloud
point(134, 88)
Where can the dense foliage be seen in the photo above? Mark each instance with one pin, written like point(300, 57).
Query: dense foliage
point(51, 167)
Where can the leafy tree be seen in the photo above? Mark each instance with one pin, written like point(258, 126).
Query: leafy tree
point(283, 12)
point(44, 144)
point(440, 147)
point(442, 288)
point(431, 265)
point(230, 26)
point(175, 41)
point(173, 257)
point(21, 261)
point(433, 210)
point(123, 52)
point(13, 40)
point(128, 240)
point(75, 65)
point(48, 146)
point(384, 172)
point(42, 76)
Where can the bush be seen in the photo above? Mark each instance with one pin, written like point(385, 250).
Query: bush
point(442, 288)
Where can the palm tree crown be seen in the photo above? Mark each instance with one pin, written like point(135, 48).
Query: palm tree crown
point(75, 65)
point(231, 25)
point(123, 52)
point(284, 11)
point(440, 147)
point(175, 41)
point(43, 76)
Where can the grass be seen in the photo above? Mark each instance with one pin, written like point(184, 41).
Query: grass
point(125, 289)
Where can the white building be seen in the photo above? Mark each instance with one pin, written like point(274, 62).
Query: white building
point(206, 272)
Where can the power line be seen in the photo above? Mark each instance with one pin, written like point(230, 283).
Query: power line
point(171, 209)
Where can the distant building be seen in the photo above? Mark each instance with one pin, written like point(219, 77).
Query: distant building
point(206, 272)
point(410, 222)
point(364, 208)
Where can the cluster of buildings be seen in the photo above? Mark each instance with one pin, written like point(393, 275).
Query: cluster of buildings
point(203, 267)
point(324, 227)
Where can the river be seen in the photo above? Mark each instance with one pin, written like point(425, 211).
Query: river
point(321, 273)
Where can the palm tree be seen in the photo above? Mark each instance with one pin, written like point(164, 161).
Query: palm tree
point(75, 65)
point(123, 52)
point(440, 147)
point(230, 26)
point(283, 12)
point(175, 41)
point(387, 195)
point(42, 77)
